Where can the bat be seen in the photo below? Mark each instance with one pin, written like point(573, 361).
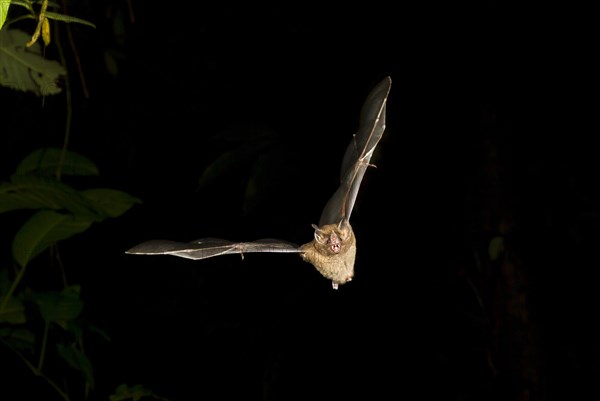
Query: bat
point(332, 251)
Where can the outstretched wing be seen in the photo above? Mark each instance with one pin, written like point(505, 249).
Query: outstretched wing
point(358, 154)
point(337, 210)
point(209, 247)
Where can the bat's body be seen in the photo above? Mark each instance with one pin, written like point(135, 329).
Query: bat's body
point(333, 249)
point(332, 252)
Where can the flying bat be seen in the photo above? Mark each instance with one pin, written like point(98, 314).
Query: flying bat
point(333, 249)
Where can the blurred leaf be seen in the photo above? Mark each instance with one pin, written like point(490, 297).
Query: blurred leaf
point(18, 338)
point(34, 192)
point(78, 361)
point(110, 63)
point(93, 329)
point(224, 164)
point(4, 5)
point(135, 393)
point(43, 229)
point(60, 307)
point(109, 202)
point(45, 161)
point(13, 312)
point(496, 248)
point(25, 69)
point(244, 144)
point(263, 171)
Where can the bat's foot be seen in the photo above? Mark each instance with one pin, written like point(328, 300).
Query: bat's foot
point(335, 285)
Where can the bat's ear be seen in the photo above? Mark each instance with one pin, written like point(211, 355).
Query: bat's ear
point(344, 225)
point(320, 235)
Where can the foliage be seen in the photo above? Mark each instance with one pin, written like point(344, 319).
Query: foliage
point(58, 211)
point(24, 68)
point(133, 393)
point(44, 327)
point(4, 5)
point(22, 65)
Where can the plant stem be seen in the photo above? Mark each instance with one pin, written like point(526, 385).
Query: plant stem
point(43, 350)
point(12, 288)
point(35, 371)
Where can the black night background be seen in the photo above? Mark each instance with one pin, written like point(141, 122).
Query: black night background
point(477, 231)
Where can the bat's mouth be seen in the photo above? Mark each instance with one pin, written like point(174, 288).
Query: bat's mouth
point(335, 243)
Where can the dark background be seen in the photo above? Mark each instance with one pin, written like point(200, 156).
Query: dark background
point(485, 138)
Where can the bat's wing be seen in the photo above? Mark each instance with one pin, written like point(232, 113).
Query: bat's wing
point(358, 154)
point(209, 247)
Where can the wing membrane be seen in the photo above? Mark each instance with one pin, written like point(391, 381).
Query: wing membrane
point(357, 155)
point(208, 247)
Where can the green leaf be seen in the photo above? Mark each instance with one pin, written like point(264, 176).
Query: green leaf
point(135, 393)
point(496, 248)
point(78, 361)
point(68, 18)
point(263, 177)
point(96, 330)
point(12, 199)
point(24, 68)
point(60, 307)
point(43, 229)
point(109, 202)
point(244, 143)
point(19, 338)
point(13, 312)
point(225, 163)
point(34, 192)
point(45, 161)
point(4, 5)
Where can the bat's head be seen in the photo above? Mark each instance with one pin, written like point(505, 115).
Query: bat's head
point(334, 239)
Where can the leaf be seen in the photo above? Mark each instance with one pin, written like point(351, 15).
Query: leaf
point(43, 229)
point(496, 248)
point(4, 5)
point(94, 329)
point(243, 143)
point(230, 162)
point(68, 18)
point(34, 192)
point(13, 312)
point(11, 199)
point(45, 161)
point(60, 307)
point(135, 393)
point(109, 202)
point(263, 177)
point(225, 163)
point(78, 361)
point(25, 69)
point(20, 339)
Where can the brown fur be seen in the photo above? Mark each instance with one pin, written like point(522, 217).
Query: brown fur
point(338, 267)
